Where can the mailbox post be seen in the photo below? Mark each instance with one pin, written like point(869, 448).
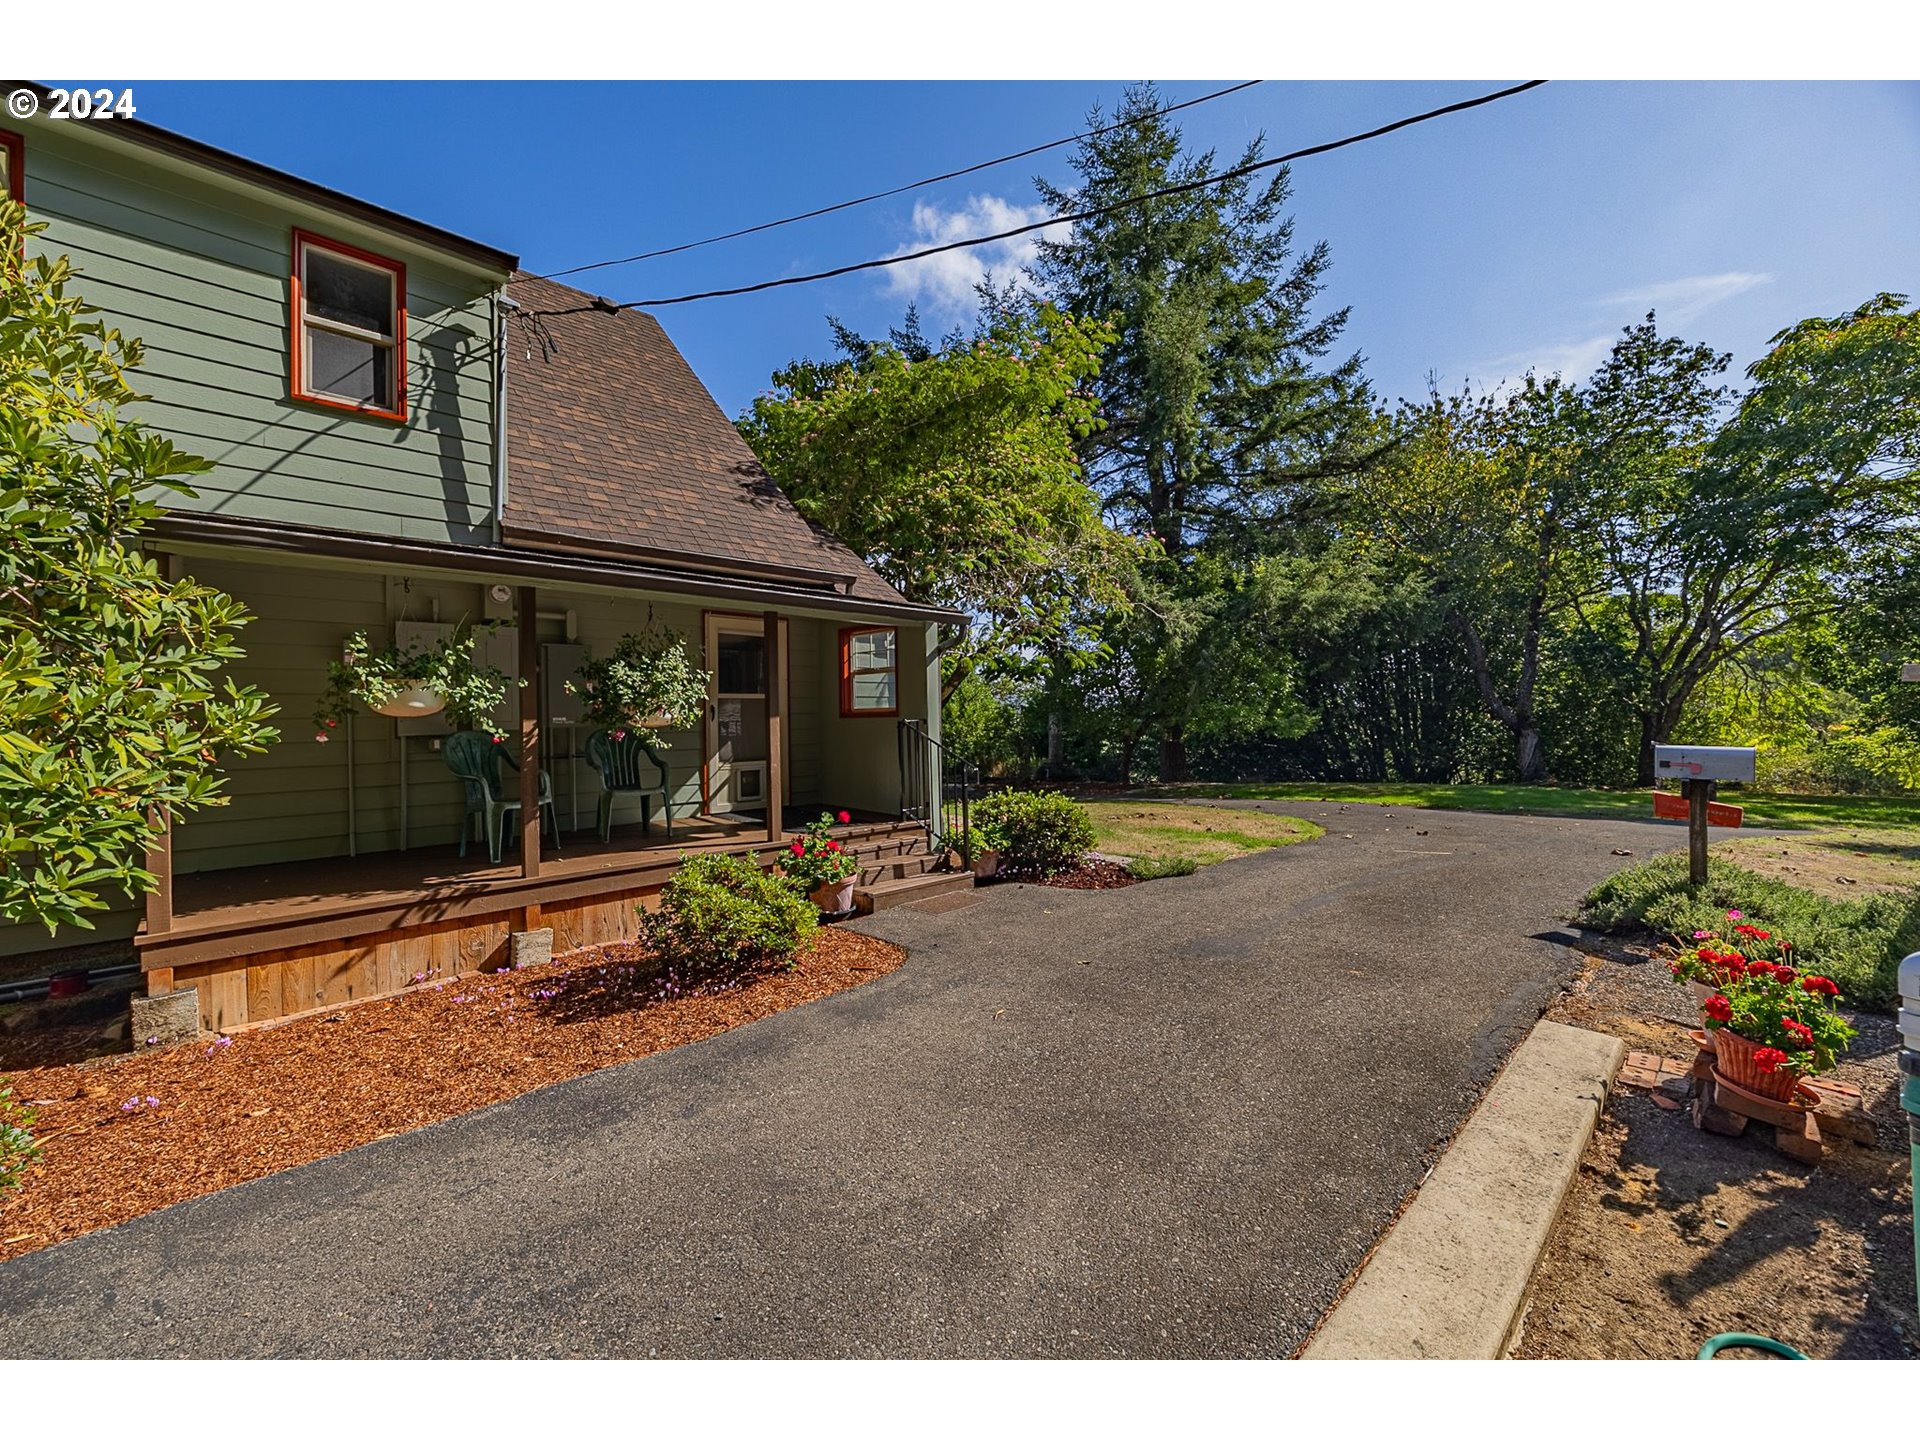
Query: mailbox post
point(1699, 769)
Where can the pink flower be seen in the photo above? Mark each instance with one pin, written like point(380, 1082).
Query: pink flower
point(321, 737)
point(1735, 915)
point(1703, 934)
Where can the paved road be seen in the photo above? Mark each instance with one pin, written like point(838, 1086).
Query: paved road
point(1163, 1121)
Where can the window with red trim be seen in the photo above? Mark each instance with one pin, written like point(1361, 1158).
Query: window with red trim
point(13, 167)
point(870, 671)
point(349, 328)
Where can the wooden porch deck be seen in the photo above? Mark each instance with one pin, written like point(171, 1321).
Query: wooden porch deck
point(246, 914)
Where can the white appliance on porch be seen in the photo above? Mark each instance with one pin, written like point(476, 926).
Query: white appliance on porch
point(736, 728)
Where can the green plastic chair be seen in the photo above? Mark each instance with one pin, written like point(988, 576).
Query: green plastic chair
point(619, 761)
point(473, 756)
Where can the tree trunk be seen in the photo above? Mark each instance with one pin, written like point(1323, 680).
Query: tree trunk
point(1056, 745)
point(1173, 756)
point(1650, 735)
point(1529, 756)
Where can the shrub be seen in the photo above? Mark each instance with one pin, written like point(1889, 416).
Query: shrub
point(17, 1149)
point(724, 916)
point(1857, 943)
point(1149, 867)
point(1038, 832)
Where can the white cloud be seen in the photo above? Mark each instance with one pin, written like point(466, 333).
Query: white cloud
point(1680, 301)
point(1677, 303)
point(943, 284)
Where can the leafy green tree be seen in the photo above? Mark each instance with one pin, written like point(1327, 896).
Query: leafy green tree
point(1484, 496)
point(1727, 529)
point(111, 709)
point(955, 471)
point(1217, 397)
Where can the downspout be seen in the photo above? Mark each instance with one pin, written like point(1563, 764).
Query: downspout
point(501, 305)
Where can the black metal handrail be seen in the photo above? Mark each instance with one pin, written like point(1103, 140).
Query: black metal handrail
point(937, 789)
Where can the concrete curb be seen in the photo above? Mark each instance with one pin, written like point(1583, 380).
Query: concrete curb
point(1449, 1280)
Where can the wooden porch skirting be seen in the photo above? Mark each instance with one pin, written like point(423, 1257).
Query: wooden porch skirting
point(288, 953)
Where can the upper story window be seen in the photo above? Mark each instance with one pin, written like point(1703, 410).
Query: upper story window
point(870, 671)
point(13, 167)
point(349, 328)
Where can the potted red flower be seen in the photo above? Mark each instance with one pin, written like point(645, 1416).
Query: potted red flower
point(1719, 958)
point(1773, 1027)
point(822, 866)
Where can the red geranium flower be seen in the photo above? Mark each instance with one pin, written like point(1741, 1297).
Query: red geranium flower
point(1785, 974)
point(798, 848)
point(1718, 1007)
point(1819, 985)
point(833, 844)
point(1767, 1059)
point(1800, 1035)
point(1759, 969)
point(845, 818)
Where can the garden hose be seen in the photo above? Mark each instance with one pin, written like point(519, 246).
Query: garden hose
point(1739, 1340)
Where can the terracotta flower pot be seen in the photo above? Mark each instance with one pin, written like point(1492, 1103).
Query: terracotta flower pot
point(986, 865)
point(1733, 1061)
point(835, 897)
point(1701, 993)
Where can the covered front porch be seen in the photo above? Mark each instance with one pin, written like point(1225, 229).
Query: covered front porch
point(263, 942)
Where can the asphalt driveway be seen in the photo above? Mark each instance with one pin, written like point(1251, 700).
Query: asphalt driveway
point(1160, 1121)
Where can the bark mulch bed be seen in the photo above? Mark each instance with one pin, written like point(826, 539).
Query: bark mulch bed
point(1087, 875)
point(132, 1134)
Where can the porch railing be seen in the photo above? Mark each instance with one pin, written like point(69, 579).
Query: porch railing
point(937, 789)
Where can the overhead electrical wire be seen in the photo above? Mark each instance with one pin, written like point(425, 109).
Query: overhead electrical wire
point(887, 194)
point(1075, 218)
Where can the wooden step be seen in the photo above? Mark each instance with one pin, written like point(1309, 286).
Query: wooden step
point(888, 893)
point(876, 871)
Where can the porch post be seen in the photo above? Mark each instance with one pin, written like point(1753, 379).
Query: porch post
point(159, 863)
point(775, 699)
point(527, 616)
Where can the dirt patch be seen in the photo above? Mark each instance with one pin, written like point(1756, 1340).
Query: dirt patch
point(132, 1134)
point(1672, 1236)
point(1839, 864)
point(1087, 875)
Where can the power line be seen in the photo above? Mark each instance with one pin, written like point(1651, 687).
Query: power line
point(896, 190)
point(1072, 219)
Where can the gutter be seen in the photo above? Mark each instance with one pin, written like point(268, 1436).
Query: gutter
point(559, 568)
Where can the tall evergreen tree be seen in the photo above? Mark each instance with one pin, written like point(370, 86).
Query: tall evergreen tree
point(1218, 397)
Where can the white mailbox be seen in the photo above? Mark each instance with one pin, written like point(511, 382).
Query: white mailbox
point(1704, 762)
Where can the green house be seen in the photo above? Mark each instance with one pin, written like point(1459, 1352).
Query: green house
point(409, 435)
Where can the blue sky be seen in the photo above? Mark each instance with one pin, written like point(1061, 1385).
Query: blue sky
point(1524, 233)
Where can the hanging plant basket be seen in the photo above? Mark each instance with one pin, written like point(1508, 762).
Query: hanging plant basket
point(649, 682)
point(411, 703)
point(412, 684)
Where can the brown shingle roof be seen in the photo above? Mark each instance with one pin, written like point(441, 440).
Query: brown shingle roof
point(614, 445)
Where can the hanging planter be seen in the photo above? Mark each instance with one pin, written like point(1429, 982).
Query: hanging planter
point(416, 700)
point(411, 684)
point(648, 683)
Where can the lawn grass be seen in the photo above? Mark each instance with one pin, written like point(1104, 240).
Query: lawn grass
point(1792, 812)
point(1164, 835)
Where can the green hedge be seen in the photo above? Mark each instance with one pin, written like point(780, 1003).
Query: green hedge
point(1857, 943)
point(1040, 832)
point(721, 915)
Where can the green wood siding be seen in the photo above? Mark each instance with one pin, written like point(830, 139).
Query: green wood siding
point(198, 268)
